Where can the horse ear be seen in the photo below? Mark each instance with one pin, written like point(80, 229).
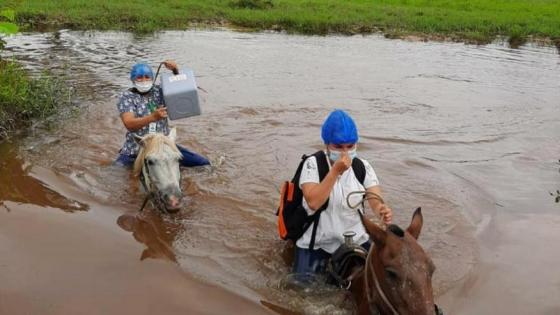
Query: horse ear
point(377, 234)
point(173, 134)
point(416, 225)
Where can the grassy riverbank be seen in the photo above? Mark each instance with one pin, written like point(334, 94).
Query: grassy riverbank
point(24, 99)
point(468, 20)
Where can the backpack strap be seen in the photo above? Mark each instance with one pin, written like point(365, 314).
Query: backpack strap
point(297, 175)
point(359, 170)
point(323, 168)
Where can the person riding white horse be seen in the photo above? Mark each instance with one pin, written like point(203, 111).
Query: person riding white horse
point(142, 112)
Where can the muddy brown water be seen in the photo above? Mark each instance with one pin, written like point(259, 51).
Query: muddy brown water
point(470, 133)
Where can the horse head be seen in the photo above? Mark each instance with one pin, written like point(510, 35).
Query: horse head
point(157, 165)
point(398, 273)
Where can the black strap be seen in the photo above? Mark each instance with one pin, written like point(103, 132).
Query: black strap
point(297, 175)
point(148, 196)
point(315, 223)
point(142, 178)
point(322, 163)
point(359, 170)
point(323, 168)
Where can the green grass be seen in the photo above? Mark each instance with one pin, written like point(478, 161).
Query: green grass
point(468, 20)
point(24, 98)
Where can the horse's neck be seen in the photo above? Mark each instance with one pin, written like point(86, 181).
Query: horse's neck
point(368, 300)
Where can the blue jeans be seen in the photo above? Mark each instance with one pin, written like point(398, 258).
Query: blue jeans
point(189, 159)
point(309, 263)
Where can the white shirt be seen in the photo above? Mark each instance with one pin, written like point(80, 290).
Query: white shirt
point(337, 218)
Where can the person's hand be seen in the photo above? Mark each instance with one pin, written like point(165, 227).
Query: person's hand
point(160, 113)
point(343, 163)
point(386, 213)
point(171, 65)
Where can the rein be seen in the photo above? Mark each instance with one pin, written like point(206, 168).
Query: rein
point(148, 197)
point(147, 184)
point(377, 287)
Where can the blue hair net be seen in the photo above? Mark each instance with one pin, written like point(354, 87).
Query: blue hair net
point(339, 128)
point(140, 70)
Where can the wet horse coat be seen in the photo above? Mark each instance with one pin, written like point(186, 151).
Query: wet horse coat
point(397, 276)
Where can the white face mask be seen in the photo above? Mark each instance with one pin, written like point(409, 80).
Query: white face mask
point(335, 155)
point(352, 154)
point(143, 86)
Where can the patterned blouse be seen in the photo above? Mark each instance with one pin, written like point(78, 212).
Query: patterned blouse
point(140, 105)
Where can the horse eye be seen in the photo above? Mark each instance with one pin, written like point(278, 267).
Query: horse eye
point(391, 274)
point(151, 162)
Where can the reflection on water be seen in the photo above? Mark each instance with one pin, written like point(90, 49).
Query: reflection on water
point(453, 128)
point(17, 185)
point(147, 227)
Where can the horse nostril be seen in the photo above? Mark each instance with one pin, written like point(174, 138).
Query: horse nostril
point(173, 201)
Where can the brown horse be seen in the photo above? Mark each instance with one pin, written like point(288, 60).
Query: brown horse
point(397, 276)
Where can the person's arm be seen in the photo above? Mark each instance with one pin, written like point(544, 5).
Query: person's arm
point(379, 207)
point(317, 194)
point(133, 123)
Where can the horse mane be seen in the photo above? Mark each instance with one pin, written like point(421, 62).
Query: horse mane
point(395, 229)
point(153, 143)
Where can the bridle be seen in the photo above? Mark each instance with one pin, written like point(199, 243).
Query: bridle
point(377, 286)
point(437, 310)
point(366, 195)
point(152, 195)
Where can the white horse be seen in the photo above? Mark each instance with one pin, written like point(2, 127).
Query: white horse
point(157, 165)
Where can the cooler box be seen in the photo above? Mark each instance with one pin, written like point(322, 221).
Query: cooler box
point(180, 94)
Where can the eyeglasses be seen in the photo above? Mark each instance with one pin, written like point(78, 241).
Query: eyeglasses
point(146, 76)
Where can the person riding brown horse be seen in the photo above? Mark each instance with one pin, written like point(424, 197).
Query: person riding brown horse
point(324, 196)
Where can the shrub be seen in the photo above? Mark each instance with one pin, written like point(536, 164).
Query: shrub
point(24, 98)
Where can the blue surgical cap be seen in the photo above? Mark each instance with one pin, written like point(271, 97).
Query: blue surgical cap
point(339, 128)
point(140, 70)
